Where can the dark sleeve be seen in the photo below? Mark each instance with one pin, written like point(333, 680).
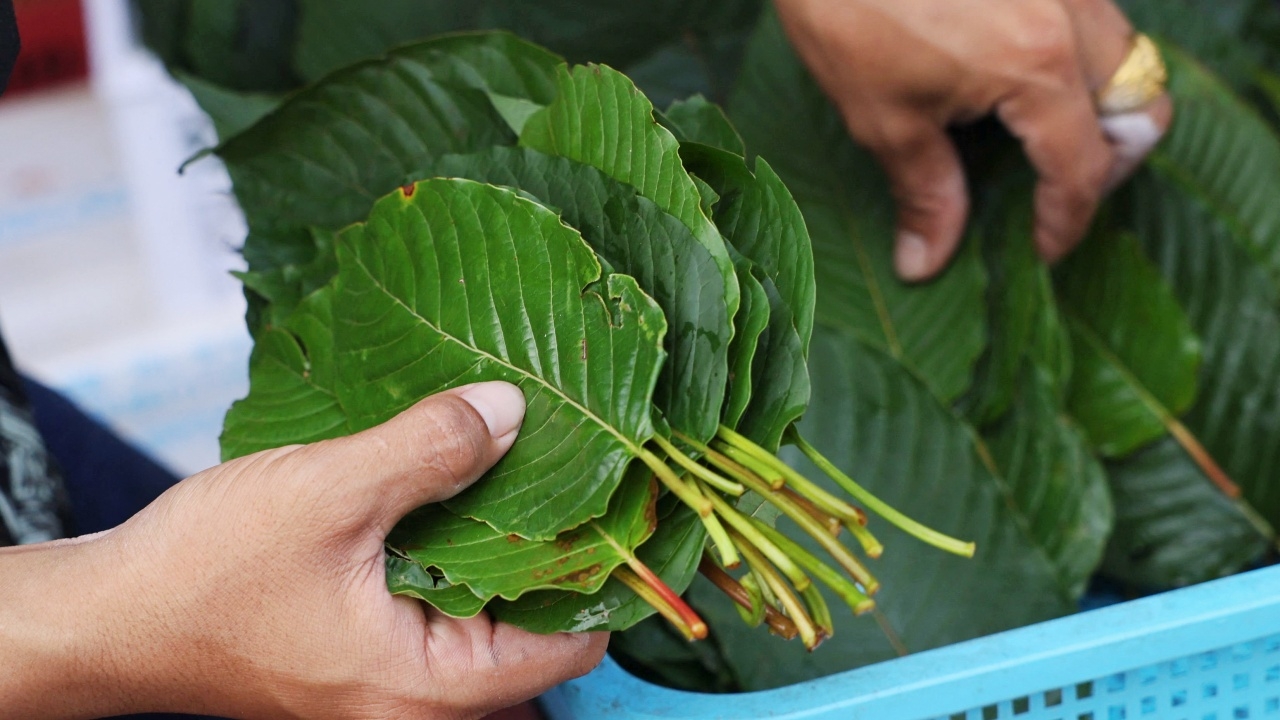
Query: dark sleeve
point(33, 502)
point(8, 42)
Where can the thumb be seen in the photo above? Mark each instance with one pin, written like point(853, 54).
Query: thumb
point(428, 453)
point(929, 188)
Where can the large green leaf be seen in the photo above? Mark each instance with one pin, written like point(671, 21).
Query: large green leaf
point(750, 322)
point(1136, 357)
point(231, 111)
point(321, 158)
point(495, 564)
point(1232, 303)
point(406, 577)
point(1022, 313)
point(780, 383)
point(1172, 527)
point(600, 118)
point(292, 385)
point(696, 119)
point(757, 215)
point(758, 218)
point(461, 281)
point(672, 552)
point(1223, 153)
point(1055, 480)
point(875, 419)
point(291, 266)
point(938, 329)
point(634, 237)
point(328, 152)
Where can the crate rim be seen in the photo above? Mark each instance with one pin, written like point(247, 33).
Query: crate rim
point(975, 673)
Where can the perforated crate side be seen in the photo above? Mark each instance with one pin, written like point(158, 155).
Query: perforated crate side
point(1210, 652)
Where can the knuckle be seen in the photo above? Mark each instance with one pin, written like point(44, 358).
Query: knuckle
point(1042, 37)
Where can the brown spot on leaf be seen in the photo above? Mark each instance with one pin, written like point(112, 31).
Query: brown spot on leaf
point(651, 507)
point(513, 538)
point(408, 189)
point(581, 577)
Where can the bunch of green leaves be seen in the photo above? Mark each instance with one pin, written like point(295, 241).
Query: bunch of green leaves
point(1115, 415)
point(474, 208)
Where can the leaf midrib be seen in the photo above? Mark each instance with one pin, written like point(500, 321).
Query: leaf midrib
point(635, 449)
point(1162, 413)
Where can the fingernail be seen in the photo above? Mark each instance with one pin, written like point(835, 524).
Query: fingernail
point(911, 256)
point(501, 404)
point(1132, 135)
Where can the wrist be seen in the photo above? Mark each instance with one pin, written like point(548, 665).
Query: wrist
point(60, 654)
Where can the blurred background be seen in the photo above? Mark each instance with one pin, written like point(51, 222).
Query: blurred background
point(115, 283)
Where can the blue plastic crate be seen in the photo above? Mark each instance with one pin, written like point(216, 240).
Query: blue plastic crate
point(1209, 652)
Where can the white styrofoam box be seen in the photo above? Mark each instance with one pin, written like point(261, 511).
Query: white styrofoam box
point(114, 269)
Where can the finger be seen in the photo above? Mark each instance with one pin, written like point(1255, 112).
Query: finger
point(480, 665)
point(1134, 135)
point(1062, 139)
point(1105, 38)
point(1103, 34)
point(428, 453)
point(928, 186)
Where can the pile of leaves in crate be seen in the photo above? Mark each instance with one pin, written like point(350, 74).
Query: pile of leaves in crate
point(685, 300)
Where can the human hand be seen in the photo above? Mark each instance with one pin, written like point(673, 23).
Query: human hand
point(256, 589)
point(901, 71)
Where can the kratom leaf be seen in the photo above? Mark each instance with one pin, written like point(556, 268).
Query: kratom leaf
point(748, 324)
point(780, 384)
point(1022, 313)
point(1172, 527)
point(494, 564)
point(595, 103)
point(937, 329)
point(672, 552)
point(757, 215)
point(406, 577)
point(292, 274)
point(698, 120)
point(1136, 357)
point(1232, 303)
point(1225, 155)
point(1055, 479)
point(230, 110)
point(292, 385)
point(328, 152)
point(633, 236)
point(873, 418)
point(461, 281)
